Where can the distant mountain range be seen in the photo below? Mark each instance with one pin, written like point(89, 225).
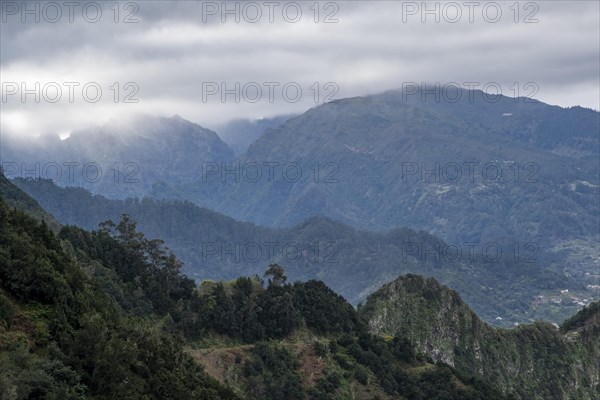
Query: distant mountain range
point(353, 262)
point(484, 169)
point(477, 169)
point(468, 170)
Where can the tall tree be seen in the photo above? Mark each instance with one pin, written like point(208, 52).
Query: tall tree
point(277, 274)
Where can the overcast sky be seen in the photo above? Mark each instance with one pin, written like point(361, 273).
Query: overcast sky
point(176, 57)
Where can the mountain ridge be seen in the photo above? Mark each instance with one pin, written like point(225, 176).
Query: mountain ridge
point(437, 322)
point(353, 262)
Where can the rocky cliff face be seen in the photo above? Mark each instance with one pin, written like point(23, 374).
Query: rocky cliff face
point(533, 361)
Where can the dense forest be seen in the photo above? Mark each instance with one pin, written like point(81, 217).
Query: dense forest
point(307, 200)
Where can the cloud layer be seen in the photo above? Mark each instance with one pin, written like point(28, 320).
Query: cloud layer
point(181, 58)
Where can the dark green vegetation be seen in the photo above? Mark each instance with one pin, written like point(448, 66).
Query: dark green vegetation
point(107, 314)
point(352, 262)
point(524, 361)
point(588, 316)
point(349, 366)
point(73, 328)
point(15, 197)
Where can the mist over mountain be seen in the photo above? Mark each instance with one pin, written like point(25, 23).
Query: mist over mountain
point(397, 159)
point(508, 177)
point(320, 200)
point(121, 159)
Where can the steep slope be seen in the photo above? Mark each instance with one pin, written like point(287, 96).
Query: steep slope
point(483, 169)
point(15, 197)
point(535, 361)
point(373, 140)
point(122, 158)
point(106, 314)
point(353, 262)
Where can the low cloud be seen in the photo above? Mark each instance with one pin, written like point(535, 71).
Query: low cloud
point(169, 61)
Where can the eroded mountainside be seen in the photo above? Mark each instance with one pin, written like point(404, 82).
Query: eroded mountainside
point(533, 361)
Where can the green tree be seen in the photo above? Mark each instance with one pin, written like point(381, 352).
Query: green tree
point(277, 274)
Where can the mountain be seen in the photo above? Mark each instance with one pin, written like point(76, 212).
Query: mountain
point(107, 315)
point(120, 159)
point(367, 148)
point(367, 162)
point(239, 134)
point(481, 169)
point(534, 361)
point(353, 262)
point(463, 165)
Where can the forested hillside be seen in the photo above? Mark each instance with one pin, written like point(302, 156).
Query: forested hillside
point(306, 200)
point(15, 197)
point(73, 329)
point(107, 315)
point(463, 165)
